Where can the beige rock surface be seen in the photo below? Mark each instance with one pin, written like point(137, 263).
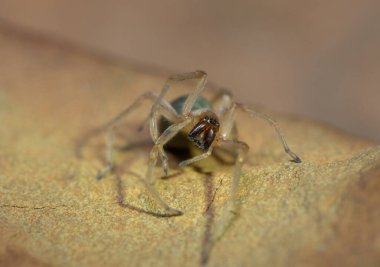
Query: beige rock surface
point(53, 212)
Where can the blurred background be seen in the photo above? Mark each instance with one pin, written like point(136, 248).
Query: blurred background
point(315, 58)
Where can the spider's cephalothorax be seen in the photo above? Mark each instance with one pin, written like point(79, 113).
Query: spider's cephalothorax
point(204, 132)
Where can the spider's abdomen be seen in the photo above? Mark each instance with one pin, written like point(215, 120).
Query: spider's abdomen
point(201, 102)
point(181, 141)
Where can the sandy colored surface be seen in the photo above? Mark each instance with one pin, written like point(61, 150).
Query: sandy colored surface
point(53, 212)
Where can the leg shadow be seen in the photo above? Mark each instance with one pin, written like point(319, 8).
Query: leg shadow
point(121, 198)
point(207, 242)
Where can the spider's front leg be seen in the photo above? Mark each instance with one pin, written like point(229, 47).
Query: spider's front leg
point(156, 151)
point(154, 114)
point(272, 122)
point(230, 209)
point(226, 108)
point(164, 109)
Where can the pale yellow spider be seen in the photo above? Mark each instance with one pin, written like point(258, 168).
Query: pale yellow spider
point(205, 124)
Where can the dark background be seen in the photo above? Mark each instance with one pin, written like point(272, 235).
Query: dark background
point(315, 58)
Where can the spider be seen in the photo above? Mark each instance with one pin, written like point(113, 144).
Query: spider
point(206, 126)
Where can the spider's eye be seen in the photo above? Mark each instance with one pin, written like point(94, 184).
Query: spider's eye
point(203, 134)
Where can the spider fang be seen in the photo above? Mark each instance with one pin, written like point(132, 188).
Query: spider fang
point(203, 134)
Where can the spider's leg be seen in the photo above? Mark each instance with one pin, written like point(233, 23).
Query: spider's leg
point(225, 108)
point(221, 101)
point(155, 131)
point(154, 116)
point(192, 98)
point(276, 127)
point(164, 109)
point(230, 207)
point(242, 149)
point(165, 137)
point(196, 158)
point(199, 75)
point(108, 155)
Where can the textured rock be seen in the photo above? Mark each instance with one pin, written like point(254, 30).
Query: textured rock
point(53, 212)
